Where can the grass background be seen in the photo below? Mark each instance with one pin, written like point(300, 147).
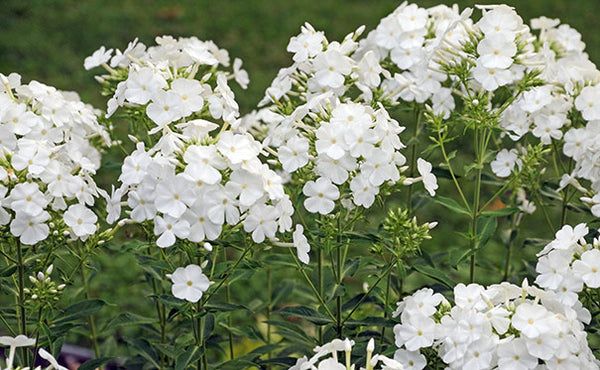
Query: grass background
point(48, 40)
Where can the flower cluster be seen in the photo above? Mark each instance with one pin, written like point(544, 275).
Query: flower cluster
point(331, 363)
point(160, 78)
point(195, 178)
point(503, 326)
point(568, 263)
point(49, 144)
point(404, 44)
point(335, 147)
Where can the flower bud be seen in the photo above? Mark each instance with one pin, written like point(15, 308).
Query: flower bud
point(49, 269)
point(40, 276)
point(208, 246)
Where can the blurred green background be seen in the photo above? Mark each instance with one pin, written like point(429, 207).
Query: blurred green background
point(47, 40)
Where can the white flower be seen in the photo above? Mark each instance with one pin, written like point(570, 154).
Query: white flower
point(99, 57)
point(505, 162)
point(30, 229)
point(169, 228)
point(321, 196)
point(429, 179)
point(294, 154)
point(165, 108)
point(18, 341)
point(301, 244)
point(81, 220)
point(189, 283)
point(261, 222)
point(588, 268)
point(48, 357)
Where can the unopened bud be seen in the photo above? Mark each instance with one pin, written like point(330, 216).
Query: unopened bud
point(34, 296)
point(32, 279)
point(61, 286)
point(53, 291)
point(49, 269)
point(40, 276)
point(371, 345)
point(208, 246)
point(204, 264)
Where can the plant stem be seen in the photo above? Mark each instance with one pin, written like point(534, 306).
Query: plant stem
point(227, 300)
point(386, 272)
point(269, 308)
point(312, 286)
point(480, 144)
point(320, 285)
point(509, 248)
point(21, 298)
point(91, 322)
point(385, 303)
point(340, 266)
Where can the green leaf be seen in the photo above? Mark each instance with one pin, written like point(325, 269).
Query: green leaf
point(79, 310)
point(370, 321)
point(451, 204)
point(188, 357)
point(350, 267)
point(306, 313)
point(435, 274)
point(8, 270)
point(95, 363)
point(500, 212)
point(224, 307)
point(145, 350)
point(209, 325)
point(128, 318)
point(283, 290)
point(486, 227)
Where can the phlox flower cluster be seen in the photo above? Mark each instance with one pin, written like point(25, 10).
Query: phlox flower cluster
point(404, 45)
point(503, 326)
point(568, 264)
point(200, 175)
point(340, 150)
point(161, 79)
point(192, 192)
point(49, 150)
point(564, 69)
point(331, 362)
point(581, 146)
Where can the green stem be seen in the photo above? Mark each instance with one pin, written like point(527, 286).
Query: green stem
point(509, 248)
point(227, 300)
point(340, 267)
point(21, 298)
point(229, 272)
point(312, 286)
point(269, 308)
point(447, 161)
point(386, 298)
point(91, 322)
point(320, 285)
point(480, 144)
point(413, 159)
point(357, 305)
point(544, 211)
